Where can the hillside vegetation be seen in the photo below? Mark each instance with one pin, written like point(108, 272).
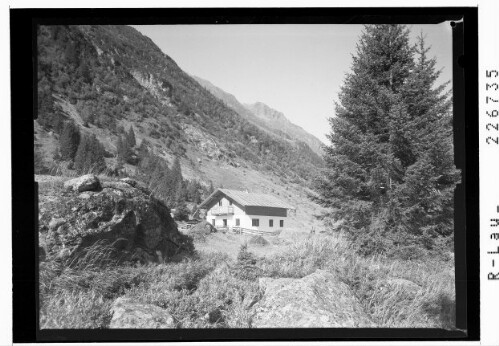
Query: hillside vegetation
point(104, 78)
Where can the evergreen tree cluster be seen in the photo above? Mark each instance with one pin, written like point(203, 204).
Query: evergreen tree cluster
point(390, 173)
point(125, 147)
point(167, 183)
point(85, 152)
point(89, 157)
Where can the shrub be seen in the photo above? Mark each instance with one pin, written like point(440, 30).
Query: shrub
point(90, 156)
point(40, 164)
point(69, 141)
point(245, 268)
point(181, 213)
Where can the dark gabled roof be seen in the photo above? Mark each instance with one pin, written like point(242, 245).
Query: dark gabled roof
point(247, 199)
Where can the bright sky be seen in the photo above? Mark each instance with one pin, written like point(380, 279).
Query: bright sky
point(295, 69)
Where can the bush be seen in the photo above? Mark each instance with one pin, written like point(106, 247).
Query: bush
point(69, 141)
point(90, 156)
point(181, 213)
point(245, 268)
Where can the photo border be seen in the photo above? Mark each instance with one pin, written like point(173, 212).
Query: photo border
point(24, 188)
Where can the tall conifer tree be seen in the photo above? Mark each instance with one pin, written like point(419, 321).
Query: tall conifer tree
point(384, 143)
point(69, 141)
point(90, 156)
point(130, 137)
point(428, 190)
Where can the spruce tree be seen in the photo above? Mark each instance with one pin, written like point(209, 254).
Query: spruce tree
point(176, 182)
point(124, 151)
point(90, 156)
point(84, 73)
point(427, 195)
point(130, 137)
point(384, 143)
point(119, 150)
point(69, 141)
point(143, 150)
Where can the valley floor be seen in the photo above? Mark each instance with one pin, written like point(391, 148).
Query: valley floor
point(224, 280)
point(239, 281)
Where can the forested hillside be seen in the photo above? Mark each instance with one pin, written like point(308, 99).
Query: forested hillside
point(107, 81)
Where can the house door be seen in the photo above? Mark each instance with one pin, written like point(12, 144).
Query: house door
point(225, 222)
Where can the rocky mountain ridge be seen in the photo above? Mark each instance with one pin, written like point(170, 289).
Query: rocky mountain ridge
point(265, 117)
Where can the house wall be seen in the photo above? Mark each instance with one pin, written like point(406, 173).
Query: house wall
point(231, 219)
point(264, 222)
point(246, 220)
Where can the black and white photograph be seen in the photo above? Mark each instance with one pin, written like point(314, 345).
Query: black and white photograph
point(249, 176)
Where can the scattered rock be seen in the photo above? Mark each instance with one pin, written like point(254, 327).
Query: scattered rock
point(55, 223)
point(117, 185)
point(84, 195)
point(214, 316)
point(319, 300)
point(136, 184)
point(127, 314)
point(203, 227)
point(118, 215)
point(87, 182)
point(129, 181)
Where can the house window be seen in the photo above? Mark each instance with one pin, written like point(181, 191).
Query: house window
point(213, 222)
point(255, 222)
point(230, 202)
point(225, 222)
point(237, 222)
point(281, 223)
point(220, 203)
point(271, 223)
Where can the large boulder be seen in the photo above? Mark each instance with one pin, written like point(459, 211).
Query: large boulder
point(319, 300)
point(127, 314)
point(88, 182)
point(127, 218)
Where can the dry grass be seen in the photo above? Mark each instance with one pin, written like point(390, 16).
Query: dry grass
point(395, 293)
point(215, 290)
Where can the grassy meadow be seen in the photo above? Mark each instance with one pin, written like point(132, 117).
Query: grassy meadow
point(217, 290)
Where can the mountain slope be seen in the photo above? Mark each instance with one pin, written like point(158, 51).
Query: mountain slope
point(265, 117)
point(109, 78)
point(276, 119)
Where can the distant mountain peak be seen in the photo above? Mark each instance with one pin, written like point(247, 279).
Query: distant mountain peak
point(265, 117)
point(264, 111)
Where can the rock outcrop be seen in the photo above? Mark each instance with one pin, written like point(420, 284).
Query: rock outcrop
point(87, 182)
point(319, 300)
point(127, 314)
point(120, 213)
